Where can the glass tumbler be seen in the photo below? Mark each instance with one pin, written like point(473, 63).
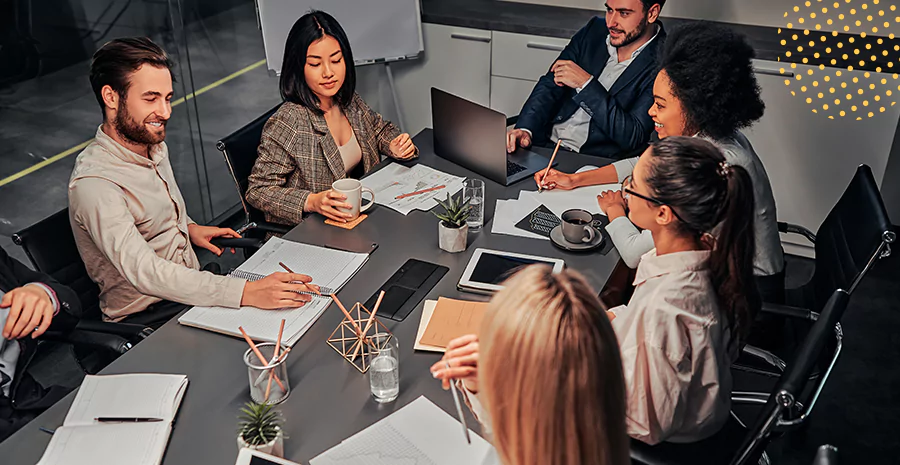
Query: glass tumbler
point(384, 367)
point(473, 191)
point(262, 388)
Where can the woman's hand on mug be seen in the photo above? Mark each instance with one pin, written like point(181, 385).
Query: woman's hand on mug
point(327, 204)
point(402, 147)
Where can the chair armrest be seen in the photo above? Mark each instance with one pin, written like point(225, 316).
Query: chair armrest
point(788, 311)
point(103, 341)
point(512, 120)
point(272, 228)
point(795, 229)
point(238, 243)
point(132, 332)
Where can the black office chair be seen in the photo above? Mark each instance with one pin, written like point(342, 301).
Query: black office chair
point(855, 234)
point(240, 151)
point(786, 408)
point(50, 246)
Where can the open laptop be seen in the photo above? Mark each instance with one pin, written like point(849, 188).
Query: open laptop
point(474, 136)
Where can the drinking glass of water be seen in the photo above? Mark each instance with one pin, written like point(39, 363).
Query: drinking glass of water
point(473, 191)
point(384, 367)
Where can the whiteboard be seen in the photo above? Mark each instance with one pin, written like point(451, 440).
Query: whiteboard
point(378, 30)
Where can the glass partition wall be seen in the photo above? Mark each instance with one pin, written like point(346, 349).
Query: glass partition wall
point(49, 113)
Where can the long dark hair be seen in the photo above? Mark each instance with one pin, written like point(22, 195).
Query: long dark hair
point(309, 28)
point(691, 176)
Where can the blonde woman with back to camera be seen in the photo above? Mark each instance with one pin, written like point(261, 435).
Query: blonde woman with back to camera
point(544, 373)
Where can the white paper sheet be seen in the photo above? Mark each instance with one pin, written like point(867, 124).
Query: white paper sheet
point(418, 434)
point(558, 200)
point(395, 180)
point(509, 212)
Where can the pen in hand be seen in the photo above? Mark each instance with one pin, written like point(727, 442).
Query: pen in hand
point(311, 289)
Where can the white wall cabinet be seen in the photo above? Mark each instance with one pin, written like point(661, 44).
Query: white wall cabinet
point(457, 60)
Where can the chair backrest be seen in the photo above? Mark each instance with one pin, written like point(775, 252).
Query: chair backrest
point(50, 245)
point(781, 409)
point(240, 151)
point(853, 236)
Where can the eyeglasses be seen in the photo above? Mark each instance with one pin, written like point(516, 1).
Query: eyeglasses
point(627, 192)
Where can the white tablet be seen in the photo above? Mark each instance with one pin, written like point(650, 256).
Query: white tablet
point(254, 457)
point(488, 268)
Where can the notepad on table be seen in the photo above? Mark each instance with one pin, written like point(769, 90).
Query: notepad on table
point(329, 268)
point(84, 441)
point(419, 433)
point(448, 319)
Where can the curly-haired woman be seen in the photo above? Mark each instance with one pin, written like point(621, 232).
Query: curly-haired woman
point(705, 88)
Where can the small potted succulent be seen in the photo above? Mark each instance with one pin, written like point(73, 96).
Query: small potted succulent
point(260, 429)
point(452, 229)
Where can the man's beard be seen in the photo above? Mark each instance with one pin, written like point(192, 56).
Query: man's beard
point(633, 35)
point(134, 131)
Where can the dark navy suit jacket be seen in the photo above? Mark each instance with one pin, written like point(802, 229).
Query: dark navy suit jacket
point(619, 120)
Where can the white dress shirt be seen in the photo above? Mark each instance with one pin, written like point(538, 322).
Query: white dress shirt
point(769, 259)
point(676, 351)
point(131, 227)
point(574, 131)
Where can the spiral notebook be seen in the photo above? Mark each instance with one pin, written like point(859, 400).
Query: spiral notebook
point(82, 440)
point(329, 268)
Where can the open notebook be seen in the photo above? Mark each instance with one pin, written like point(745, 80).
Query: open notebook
point(329, 268)
point(84, 441)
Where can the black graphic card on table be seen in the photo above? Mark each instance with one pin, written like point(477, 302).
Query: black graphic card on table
point(540, 221)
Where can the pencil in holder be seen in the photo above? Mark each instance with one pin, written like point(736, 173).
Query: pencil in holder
point(359, 347)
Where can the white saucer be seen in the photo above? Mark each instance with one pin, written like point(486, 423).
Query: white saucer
point(557, 238)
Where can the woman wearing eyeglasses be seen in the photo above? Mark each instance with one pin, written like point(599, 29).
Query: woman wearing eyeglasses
point(678, 334)
point(705, 88)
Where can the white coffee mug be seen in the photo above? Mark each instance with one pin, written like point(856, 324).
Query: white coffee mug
point(353, 189)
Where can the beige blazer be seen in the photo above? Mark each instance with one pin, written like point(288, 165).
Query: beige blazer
point(298, 156)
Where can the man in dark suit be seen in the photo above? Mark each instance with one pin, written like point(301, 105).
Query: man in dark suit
point(30, 304)
point(596, 95)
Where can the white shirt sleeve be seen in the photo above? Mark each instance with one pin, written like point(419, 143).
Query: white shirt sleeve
point(625, 167)
point(631, 243)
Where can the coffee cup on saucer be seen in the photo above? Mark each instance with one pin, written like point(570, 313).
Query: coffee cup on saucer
point(576, 226)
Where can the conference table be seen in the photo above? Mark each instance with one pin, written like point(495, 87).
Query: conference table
point(330, 400)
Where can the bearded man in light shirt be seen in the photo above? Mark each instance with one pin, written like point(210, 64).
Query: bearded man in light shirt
point(594, 99)
point(128, 215)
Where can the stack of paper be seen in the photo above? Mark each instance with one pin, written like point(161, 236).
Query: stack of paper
point(327, 267)
point(82, 440)
point(446, 319)
point(393, 184)
point(419, 433)
point(510, 212)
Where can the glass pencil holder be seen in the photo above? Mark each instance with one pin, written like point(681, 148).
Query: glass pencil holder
point(268, 378)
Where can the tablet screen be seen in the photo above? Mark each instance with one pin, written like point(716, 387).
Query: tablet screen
point(494, 269)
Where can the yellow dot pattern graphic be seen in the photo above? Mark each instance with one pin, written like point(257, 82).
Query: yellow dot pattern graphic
point(816, 48)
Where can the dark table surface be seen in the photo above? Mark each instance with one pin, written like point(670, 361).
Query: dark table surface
point(330, 399)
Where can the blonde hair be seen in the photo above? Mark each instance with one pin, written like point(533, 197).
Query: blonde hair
point(550, 374)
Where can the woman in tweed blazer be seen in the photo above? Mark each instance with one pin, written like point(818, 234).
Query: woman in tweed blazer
point(323, 132)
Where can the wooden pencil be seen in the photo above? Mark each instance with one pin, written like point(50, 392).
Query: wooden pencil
point(552, 157)
point(259, 354)
point(274, 357)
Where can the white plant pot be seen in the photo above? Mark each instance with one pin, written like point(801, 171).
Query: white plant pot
point(452, 240)
point(274, 447)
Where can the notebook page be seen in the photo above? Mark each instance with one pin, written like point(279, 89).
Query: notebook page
point(417, 434)
point(327, 267)
point(261, 325)
point(132, 395)
point(108, 444)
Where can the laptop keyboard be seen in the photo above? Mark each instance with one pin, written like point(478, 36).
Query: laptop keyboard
point(513, 168)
